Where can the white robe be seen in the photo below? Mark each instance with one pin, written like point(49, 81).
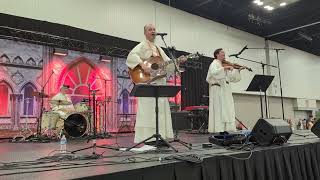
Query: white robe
point(63, 110)
point(146, 117)
point(221, 105)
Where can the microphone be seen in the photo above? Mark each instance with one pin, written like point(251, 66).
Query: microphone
point(161, 34)
point(236, 55)
point(244, 48)
point(231, 55)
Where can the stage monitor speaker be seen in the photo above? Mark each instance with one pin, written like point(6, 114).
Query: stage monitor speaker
point(180, 120)
point(316, 128)
point(271, 131)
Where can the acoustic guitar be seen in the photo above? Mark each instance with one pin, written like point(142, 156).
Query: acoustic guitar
point(157, 66)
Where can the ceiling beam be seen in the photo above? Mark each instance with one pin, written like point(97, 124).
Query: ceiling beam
point(201, 4)
point(293, 29)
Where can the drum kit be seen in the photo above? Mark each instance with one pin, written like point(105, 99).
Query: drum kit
point(71, 123)
point(75, 122)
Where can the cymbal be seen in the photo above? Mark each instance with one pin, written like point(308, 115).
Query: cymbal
point(39, 94)
point(60, 102)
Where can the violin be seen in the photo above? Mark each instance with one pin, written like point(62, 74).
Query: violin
point(235, 65)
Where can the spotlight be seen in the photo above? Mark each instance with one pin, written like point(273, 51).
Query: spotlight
point(60, 52)
point(283, 4)
point(269, 8)
point(105, 58)
point(256, 1)
point(260, 3)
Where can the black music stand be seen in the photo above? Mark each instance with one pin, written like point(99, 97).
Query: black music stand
point(260, 83)
point(156, 91)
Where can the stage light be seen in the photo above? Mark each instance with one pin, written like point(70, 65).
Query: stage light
point(258, 2)
point(105, 58)
point(60, 52)
point(269, 8)
point(283, 4)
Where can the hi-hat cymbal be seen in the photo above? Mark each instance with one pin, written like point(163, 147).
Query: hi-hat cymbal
point(60, 102)
point(39, 94)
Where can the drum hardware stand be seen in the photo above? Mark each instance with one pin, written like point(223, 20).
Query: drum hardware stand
point(26, 130)
point(94, 136)
point(37, 136)
point(106, 101)
point(90, 109)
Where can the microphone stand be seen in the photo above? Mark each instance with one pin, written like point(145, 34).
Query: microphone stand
point(263, 71)
point(106, 101)
point(279, 72)
point(176, 70)
point(94, 137)
point(41, 109)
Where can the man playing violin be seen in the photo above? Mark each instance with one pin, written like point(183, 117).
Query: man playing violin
point(221, 106)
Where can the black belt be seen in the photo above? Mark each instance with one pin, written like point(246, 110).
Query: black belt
point(216, 84)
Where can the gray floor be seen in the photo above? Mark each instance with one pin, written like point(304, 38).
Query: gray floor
point(30, 166)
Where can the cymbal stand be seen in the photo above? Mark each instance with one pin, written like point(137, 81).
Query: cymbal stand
point(94, 136)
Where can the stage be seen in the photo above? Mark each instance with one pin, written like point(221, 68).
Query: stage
point(297, 159)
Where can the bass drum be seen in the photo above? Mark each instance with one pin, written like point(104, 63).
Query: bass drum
point(75, 125)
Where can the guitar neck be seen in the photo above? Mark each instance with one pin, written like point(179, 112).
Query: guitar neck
point(171, 61)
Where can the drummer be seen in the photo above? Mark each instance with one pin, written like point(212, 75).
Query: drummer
point(61, 103)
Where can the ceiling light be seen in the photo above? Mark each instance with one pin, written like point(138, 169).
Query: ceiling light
point(256, 1)
point(269, 8)
point(283, 4)
point(60, 52)
point(107, 59)
point(260, 3)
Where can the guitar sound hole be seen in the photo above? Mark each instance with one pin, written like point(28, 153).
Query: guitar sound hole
point(154, 66)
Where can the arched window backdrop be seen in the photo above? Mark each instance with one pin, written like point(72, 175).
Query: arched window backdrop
point(125, 101)
point(80, 75)
point(29, 101)
point(5, 91)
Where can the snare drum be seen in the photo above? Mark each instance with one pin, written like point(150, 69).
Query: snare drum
point(49, 120)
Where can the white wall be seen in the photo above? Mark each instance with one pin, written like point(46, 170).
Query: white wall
point(126, 18)
point(300, 72)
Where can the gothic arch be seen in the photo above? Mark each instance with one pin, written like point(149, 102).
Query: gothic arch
point(79, 75)
point(31, 61)
point(28, 83)
point(125, 101)
point(4, 58)
point(17, 60)
point(29, 101)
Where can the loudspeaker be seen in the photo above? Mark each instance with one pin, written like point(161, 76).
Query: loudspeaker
point(180, 120)
point(271, 131)
point(316, 128)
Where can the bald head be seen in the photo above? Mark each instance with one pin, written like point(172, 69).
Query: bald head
point(149, 32)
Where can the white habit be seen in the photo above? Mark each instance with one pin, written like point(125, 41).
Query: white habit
point(62, 110)
point(221, 105)
point(146, 117)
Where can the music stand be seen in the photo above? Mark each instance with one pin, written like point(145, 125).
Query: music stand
point(260, 83)
point(156, 91)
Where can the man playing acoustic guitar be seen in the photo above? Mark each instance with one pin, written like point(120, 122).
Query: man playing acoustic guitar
point(146, 118)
